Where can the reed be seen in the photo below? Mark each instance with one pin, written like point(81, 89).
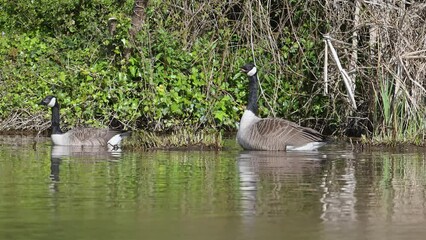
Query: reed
point(385, 55)
point(183, 138)
point(400, 119)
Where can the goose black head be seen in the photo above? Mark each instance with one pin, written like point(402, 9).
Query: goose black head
point(249, 69)
point(49, 101)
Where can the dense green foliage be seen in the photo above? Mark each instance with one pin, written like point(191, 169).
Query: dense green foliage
point(182, 68)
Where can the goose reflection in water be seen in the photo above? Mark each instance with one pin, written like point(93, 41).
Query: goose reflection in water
point(282, 170)
point(78, 153)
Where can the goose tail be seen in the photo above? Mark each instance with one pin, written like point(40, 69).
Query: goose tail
point(115, 141)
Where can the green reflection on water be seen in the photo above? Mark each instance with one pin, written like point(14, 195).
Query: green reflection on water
point(39, 192)
point(230, 194)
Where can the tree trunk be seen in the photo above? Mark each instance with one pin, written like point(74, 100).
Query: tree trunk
point(138, 18)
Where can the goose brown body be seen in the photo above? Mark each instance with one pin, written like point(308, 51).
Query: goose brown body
point(84, 137)
point(277, 134)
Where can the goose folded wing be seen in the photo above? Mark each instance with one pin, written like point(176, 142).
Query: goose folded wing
point(92, 136)
point(280, 132)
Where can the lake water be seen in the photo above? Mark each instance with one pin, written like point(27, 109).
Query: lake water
point(335, 193)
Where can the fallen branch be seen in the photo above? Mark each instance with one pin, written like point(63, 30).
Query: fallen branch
point(346, 79)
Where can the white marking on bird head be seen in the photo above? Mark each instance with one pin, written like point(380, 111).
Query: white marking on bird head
point(252, 71)
point(52, 102)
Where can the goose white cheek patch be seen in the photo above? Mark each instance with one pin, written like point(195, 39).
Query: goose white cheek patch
point(252, 71)
point(52, 102)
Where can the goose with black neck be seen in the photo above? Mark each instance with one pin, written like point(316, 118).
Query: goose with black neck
point(81, 136)
point(274, 134)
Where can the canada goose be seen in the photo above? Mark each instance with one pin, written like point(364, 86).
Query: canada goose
point(257, 133)
point(81, 136)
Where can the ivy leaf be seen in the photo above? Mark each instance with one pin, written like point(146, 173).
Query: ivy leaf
point(132, 70)
point(219, 115)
